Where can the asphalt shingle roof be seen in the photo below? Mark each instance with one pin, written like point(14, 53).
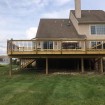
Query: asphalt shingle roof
point(57, 28)
point(91, 16)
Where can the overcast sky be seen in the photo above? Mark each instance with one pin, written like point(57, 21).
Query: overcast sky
point(19, 19)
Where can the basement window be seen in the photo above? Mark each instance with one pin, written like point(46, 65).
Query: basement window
point(98, 30)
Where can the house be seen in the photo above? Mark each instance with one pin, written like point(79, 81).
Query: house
point(4, 60)
point(76, 43)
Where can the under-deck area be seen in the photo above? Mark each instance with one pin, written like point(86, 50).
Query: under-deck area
point(66, 65)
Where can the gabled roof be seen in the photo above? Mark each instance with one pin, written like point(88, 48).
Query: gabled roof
point(91, 16)
point(57, 28)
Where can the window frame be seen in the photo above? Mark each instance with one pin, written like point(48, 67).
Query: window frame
point(96, 43)
point(97, 28)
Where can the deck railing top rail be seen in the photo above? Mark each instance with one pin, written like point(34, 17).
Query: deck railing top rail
point(60, 39)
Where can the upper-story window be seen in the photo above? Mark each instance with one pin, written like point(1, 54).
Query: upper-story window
point(98, 29)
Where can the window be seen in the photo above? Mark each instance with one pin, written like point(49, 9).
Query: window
point(48, 45)
point(70, 45)
point(93, 31)
point(93, 44)
point(98, 30)
point(99, 43)
point(96, 44)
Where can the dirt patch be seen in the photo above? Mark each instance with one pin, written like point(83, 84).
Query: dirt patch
point(77, 73)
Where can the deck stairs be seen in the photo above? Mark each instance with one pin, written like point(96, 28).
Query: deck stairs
point(97, 60)
point(26, 63)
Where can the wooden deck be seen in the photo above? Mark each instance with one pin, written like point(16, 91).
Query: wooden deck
point(55, 47)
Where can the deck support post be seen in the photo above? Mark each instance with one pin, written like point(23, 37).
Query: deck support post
point(85, 46)
point(89, 65)
point(78, 65)
point(46, 66)
point(20, 64)
point(82, 65)
point(10, 71)
point(101, 65)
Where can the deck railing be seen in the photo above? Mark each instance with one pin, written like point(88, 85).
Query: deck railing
point(56, 46)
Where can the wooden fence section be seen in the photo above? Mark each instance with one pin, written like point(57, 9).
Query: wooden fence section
point(55, 46)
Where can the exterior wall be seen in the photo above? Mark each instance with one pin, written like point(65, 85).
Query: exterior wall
point(41, 45)
point(82, 45)
point(57, 45)
point(74, 21)
point(38, 45)
point(85, 29)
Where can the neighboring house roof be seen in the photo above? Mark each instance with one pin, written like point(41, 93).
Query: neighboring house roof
point(91, 16)
point(57, 28)
point(3, 56)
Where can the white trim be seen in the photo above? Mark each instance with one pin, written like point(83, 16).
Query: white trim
point(74, 17)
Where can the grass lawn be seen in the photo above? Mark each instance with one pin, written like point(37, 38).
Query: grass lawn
point(28, 88)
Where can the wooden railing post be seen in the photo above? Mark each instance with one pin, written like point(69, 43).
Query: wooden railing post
point(85, 45)
point(102, 45)
point(10, 71)
point(61, 46)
